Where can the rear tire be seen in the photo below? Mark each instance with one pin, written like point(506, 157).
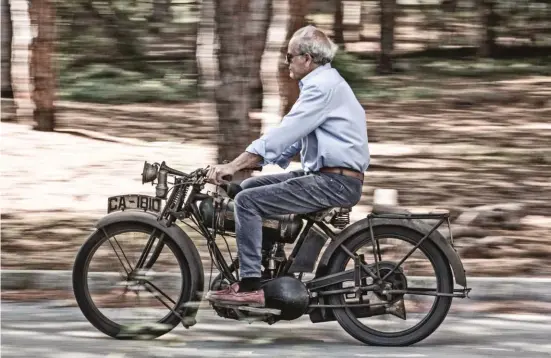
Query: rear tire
point(434, 318)
point(88, 307)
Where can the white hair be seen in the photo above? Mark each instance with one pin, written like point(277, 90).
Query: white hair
point(314, 42)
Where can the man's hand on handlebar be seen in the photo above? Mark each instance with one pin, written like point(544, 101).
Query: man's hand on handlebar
point(221, 173)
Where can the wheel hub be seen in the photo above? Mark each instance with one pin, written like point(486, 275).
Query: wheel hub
point(395, 281)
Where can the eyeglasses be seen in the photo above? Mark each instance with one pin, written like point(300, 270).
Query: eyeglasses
point(289, 57)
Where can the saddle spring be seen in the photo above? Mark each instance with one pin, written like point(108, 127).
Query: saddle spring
point(341, 218)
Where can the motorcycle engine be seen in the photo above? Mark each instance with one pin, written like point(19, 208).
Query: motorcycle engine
point(280, 228)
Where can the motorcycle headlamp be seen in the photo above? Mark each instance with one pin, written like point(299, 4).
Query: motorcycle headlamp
point(149, 173)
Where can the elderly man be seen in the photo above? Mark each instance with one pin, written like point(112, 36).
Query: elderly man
point(327, 126)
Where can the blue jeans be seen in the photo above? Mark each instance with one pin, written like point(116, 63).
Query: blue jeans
point(288, 193)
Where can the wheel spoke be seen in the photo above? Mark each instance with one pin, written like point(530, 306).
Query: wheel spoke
point(413, 250)
point(123, 254)
point(118, 256)
point(376, 249)
point(160, 291)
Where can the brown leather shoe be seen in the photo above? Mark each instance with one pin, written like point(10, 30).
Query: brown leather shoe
point(231, 296)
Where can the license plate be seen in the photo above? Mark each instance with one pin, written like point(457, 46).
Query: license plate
point(133, 201)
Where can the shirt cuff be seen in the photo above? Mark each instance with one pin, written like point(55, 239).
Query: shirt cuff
point(283, 162)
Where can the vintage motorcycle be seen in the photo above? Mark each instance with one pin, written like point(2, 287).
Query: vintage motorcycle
point(352, 273)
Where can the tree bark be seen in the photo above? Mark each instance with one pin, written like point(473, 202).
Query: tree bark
point(7, 33)
point(241, 25)
point(160, 16)
point(448, 5)
point(388, 14)
point(161, 11)
point(205, 48)
point(338, 30)
point(42, 13)
point(288, 88)
point(258, 32)
point(488, 22)
point(7, 101)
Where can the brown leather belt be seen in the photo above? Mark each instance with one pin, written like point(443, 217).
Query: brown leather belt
point(343, 171)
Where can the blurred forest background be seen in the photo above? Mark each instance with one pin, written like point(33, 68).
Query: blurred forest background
point(457, 96)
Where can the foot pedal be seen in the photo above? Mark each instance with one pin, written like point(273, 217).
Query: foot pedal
point(252, 309)
point(260, 310)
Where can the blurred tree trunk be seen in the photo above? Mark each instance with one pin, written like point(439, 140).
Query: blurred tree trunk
point(118, 26)
point(241, 25)
point(388, 14)
point(161, 11)
point(364, 12)
point(42, 14)
point(338, 30)
point(7, 104)
point(449, 5)
point(205, 44)
point(488, 22)
point(261, 12)
point(288, 88)
point(160, 16)
point(7, 33)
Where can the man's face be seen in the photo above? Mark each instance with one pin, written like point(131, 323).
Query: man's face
point(299, 64)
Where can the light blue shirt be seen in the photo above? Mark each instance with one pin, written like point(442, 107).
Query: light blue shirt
point(327, 125)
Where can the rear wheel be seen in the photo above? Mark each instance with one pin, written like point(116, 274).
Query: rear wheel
point(426, 270)
point(122, 291)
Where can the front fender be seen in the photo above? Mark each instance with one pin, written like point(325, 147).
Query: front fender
point(414, 224)
point(175, 232)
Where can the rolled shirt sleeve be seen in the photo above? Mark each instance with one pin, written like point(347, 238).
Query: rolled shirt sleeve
point(278, 145)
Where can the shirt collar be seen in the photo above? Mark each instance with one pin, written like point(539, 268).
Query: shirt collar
point(313, 74)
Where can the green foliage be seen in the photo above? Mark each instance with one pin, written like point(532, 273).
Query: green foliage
point(359, 73)
point(354, 70)
point(102, 83)
point(422, 78)
point(486, 68)
point(108, 53)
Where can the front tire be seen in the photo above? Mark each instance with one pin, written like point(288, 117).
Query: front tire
point(438, 312)
point(90, 308)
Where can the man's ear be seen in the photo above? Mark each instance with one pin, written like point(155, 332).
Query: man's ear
point(308, 60)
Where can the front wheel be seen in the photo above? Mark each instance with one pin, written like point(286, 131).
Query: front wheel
point(415, 314)
point(125, 293)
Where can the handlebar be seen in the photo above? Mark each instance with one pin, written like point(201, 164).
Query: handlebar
point(161, 171)
point(204, 171)
point(230, 178)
